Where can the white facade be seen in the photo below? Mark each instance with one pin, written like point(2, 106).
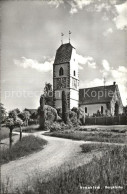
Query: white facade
point(90, 109)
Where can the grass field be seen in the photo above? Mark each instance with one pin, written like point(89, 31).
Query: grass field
point(93, 134)
point(28, 145)
point(104, 174)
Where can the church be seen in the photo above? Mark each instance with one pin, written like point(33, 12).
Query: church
point(105, 100)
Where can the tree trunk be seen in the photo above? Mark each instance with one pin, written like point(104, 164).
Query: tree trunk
point(10, 137)
point(20, 133)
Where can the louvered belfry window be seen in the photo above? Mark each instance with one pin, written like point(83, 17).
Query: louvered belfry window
point(61, 71)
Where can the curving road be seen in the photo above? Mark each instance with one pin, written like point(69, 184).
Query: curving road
point(56, 153)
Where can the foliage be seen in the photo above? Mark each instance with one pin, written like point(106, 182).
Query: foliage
point(80, 114)
point(48, 94)
point(13, 113)
point(25, 115)
point(64, 108)
point(73, 118)
point(55, 127)
point(49, 113)
point(2, 113)
point(12, 123)
point(41, 112)
point(59, 112)
point(90, 147)
point(28, 145)
point(34, 116)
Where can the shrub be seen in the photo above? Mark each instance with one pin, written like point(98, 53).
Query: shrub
point(59, 112)
point(55, 127)
point(73, 118)
point(89, 147)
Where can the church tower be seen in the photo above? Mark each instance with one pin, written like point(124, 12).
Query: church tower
point(66, 76)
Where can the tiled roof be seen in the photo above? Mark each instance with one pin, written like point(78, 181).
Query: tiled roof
point(101, 94)
point(63, 53)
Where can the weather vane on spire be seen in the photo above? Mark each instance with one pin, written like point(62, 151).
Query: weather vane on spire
point(69, 35)
point(62, 38)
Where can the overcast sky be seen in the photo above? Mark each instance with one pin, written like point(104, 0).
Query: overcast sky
point(30, 35)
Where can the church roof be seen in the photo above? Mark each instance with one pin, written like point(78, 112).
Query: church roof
point(63, 53)
point(94, 95)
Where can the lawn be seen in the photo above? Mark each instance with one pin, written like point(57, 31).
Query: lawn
point(99, 176)
point(4, 133)
point(93, 135)
point(28, 145)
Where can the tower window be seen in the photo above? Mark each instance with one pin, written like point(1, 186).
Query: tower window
point(85, 109)
point(61, 71)
point(74, 73)
point(102, 109)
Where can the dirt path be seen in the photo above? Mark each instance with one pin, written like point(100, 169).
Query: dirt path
point(57, 152)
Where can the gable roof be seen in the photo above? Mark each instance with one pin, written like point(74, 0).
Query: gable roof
point(94, 95)
point(63, 53)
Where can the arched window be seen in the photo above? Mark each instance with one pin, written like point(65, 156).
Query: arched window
point(85, 109)
point(102, 109)
point(74, 72)
point(61, 71)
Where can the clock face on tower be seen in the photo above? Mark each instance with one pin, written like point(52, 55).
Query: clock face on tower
point(61, 83)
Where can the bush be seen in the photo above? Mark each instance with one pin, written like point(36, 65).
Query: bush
point(73, 118)
point(50, 115)
point(55, 127)
point(80, 115)
point(89, 147)
point(59, 112)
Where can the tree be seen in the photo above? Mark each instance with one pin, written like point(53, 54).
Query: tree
point(48, 94)
point(65, 117)
point(10, 125)
point(14, 121)
point(41, 111)
point(12, 114)
point(2, 113)
point(25, 116)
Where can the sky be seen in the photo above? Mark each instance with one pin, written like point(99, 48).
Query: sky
point(31, 34)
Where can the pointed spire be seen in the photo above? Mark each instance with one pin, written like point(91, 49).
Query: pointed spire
point(69, 35)
point(62, 38)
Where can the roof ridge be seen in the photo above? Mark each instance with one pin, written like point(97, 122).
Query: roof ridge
point(97, 87)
